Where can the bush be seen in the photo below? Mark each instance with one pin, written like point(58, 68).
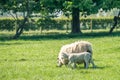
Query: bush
point(48, 23)
point(7, 24)
point(97, 23)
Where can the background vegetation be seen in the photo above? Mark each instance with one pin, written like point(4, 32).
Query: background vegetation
point(9, 24)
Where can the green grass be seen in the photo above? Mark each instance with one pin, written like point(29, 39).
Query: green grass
point(35, 58)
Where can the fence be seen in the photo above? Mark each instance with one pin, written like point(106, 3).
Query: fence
point(60, 24)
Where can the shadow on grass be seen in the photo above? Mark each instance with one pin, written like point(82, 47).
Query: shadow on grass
point(19, 60)
point(60, 36)
point(2, 43)
point(97, 68)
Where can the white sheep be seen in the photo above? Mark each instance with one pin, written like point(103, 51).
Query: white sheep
point(76, 47)
point(78, 58)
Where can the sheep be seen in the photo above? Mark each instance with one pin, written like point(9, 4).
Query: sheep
point(76, 47)
point(62, 59)
point(78, 58)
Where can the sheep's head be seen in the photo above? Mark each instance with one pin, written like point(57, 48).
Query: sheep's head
point(59, 63)
point(62, 59)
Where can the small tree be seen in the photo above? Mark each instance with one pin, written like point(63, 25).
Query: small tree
point(110, 4)
point(15, 6)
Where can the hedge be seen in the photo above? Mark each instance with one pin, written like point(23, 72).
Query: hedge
point(97, 23)
point(56, 23)
point(7, 24)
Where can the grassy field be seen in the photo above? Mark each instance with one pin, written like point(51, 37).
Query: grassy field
point(35, 58)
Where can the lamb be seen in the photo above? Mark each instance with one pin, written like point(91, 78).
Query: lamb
point(78, 58)
point(76, 47)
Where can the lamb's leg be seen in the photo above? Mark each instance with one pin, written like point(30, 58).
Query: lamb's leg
point(74, 65)
point(93, 64)
point(69, 64)
point(86, 61)
point(86, 64)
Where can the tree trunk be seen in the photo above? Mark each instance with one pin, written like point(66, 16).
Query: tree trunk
point(115, 23)
point(20, 29)
point(75, 20)
point(21, 26)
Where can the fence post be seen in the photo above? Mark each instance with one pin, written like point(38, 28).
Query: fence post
point(91, 26)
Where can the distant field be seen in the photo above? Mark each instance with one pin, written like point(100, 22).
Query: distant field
point(35, 58)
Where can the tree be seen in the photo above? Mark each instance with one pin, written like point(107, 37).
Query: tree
point(27, 7)
point(77, 6)
point(21, 26)
point(74, 6)
point(15, 6)
point(115, 4)
point(110, 4)
point(116, 18)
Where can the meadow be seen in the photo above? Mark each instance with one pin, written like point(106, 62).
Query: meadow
point(35, 58)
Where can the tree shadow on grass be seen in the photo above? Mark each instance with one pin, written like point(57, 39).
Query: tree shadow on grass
point(1, 43)
point(68, 36)
point(60, 36)
point(20, 60)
